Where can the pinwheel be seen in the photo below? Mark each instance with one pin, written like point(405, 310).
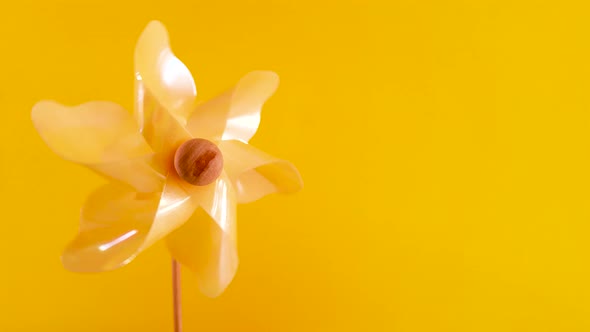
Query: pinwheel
point(176, 168)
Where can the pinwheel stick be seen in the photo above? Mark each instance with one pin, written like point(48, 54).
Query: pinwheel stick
point(176, 296)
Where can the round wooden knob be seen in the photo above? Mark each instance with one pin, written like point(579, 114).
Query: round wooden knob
point(198, 162)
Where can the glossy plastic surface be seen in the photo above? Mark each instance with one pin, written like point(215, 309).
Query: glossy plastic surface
point(146, 200)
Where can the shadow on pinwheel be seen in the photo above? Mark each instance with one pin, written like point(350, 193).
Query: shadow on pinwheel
point(148, 198)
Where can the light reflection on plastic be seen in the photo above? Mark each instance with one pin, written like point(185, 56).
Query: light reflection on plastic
point(168, 206)
point(116, 241)
point(220, 204)
point(241, 126)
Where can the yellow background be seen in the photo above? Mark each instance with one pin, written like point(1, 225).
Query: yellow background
point(444, 147)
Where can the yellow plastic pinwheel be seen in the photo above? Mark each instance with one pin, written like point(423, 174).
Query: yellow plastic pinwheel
point(176, 168)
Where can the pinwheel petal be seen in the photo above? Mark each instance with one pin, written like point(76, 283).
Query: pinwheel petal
point(175, 208)
point(118, 223)
point(234, 114)
point(256, 174)
point(161, 130)
point(162, 74)
point(206, 244)
point(100, 135)
point(113, 225)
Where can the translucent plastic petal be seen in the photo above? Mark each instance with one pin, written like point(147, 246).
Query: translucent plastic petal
point(175, 208)
point(100, 135)
point(136, 172)
point(118, 223)
point(234, 114)
point(162, 73)
point(161, 130)
point(113, 225)
point(255, 173)
point(206, 244)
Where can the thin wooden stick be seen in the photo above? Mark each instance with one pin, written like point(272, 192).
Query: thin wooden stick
point(176, 294)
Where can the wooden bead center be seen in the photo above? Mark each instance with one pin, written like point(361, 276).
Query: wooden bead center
point(198, 162)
